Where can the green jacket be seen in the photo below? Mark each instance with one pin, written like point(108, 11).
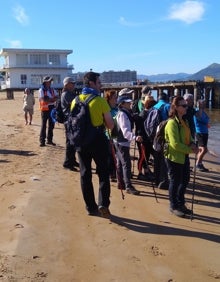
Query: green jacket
point(176, 148)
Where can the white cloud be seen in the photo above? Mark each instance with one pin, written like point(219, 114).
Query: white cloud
point(124, 22)
point(188, 11)
point(20, 15)
point(14, 43)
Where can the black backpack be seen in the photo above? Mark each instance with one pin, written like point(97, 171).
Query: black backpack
point(151, 122)
point(159, 139)
point(80, 130)
point(57, 114)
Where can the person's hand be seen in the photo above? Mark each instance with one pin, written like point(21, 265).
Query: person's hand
point(139, 139)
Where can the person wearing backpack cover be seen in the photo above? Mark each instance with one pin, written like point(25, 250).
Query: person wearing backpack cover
point(97, 150)
point(67, 96)
point(178, 147)
point(47, 97)
point(122, 142)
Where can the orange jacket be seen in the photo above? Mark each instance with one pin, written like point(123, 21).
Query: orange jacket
point(44, 103)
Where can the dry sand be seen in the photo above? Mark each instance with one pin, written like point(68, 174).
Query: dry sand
point(46, 234)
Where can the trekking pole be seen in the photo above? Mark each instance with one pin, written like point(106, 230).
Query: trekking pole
point(152, 182)
point(193, 187)
point(134, 157)
point(119, 176)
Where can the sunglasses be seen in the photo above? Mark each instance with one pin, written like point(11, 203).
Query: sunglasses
point(184, 106)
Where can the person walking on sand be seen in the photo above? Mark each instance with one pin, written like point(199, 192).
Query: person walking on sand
point(178, 146)
point(28, 105)
point(47, 96)
point(97, 150)
point(67, 96)
point(201, 120)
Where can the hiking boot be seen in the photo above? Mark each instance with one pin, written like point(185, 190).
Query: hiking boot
point(76, 164)
point(163, 185)
point(51, 143)
point(177, 212)
point(72, 168)
point(185, 210)
point(201, 167)
point(132, 190)
point(42, 144)
point(104, 212)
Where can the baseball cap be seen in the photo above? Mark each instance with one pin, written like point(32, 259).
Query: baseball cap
point(123, 99)
point(68, 80)
point(125, 91)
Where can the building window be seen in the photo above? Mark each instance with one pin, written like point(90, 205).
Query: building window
point(21, 59)
point(38, 59)
point(54, 59)
point(23, 79)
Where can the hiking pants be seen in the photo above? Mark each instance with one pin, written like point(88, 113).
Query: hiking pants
point(98, 151)
point(45, 116)
point(179, 178)
point(70, 155)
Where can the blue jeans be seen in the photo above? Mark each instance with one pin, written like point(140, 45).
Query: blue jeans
point(179, 175)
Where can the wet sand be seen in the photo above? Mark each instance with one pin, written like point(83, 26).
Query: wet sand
point(46, 234)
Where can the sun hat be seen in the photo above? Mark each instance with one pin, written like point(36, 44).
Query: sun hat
point(47, 79)
point(123, 99)
point(125, 91)
point(68, 80)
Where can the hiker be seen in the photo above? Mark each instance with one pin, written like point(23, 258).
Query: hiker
point(28, 105)
point(97, 150)
point(122, 143)
point(160, 171)
point(201, 120)
point(178, 147)
point(111, 98)
point(67, 96)
point(144, 157)
point(190, 112)
point(47, 97)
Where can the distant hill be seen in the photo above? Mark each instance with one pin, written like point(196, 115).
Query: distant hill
point(212, 70)
point(164, 77)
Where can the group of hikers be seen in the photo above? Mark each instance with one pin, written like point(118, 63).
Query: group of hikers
point(118, 119)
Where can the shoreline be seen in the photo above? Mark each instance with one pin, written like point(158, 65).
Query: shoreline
point(47, 236)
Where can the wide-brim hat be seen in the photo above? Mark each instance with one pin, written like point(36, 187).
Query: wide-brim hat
point(47, 79)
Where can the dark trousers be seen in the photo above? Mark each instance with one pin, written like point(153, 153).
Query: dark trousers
point(45, 116)
point(98, 151)
point(124, 163)
point(70, 154)
point(160, 168)
point(179, 178)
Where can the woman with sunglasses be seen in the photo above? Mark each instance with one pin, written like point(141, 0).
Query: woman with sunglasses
point(178, 147)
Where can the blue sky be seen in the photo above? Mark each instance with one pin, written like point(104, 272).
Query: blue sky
point(149, 36)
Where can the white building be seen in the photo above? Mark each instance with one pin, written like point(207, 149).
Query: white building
point(27, 67)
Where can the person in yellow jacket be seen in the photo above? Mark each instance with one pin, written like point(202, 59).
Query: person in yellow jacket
point(177, 149)
point(47, 97)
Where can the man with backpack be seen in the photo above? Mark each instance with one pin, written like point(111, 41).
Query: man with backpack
point(67, 96)
point(158, 113)
point(96, 149)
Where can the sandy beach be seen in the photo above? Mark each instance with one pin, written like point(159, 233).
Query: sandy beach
point(46, 234)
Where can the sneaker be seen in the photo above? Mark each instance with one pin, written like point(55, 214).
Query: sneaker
point(201, 167)
point(185, 210)
point(177, 212)
point(51, 143)
point(132, 190)
point(104, 212)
